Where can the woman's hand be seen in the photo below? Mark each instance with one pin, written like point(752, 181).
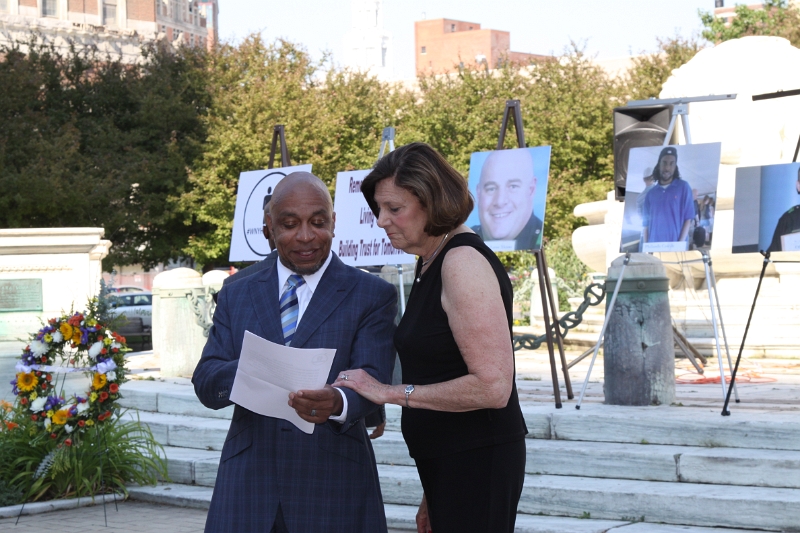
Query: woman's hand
point(423, 521)
point(364, 384)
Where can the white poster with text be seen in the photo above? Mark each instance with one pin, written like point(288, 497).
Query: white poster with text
point(359, 241)
point(255, 190)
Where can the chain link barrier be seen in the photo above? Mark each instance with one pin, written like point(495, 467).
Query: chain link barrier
point(592, 295)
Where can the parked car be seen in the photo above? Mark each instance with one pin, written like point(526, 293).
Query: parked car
point(125, 289)
point(135, 304)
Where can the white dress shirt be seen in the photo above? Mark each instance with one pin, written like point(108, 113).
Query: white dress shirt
point(304, 294)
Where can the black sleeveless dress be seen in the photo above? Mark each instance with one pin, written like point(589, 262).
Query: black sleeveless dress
point(471, 464)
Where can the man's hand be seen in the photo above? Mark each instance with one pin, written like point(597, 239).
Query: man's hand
point(378, 431)
point(316, 405)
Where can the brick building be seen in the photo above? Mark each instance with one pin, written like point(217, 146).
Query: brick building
point(118, 27)
point(444, 45)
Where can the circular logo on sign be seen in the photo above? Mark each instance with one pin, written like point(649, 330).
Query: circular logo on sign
point(254, 212)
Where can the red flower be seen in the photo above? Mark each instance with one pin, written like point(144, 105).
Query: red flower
point(49, 377)
point(34, 417)
point(103, 351)
point(53, 435)
point(24, 401)
point(39, 374)
point(44, 385)
point(99, 337)
point(115, 350)
point(114, 388)
point(11, 425)
point(101, 417)
point(68, 442)
point(44, 359)
point(81, 423)
point(103, 396)
point(108, 414)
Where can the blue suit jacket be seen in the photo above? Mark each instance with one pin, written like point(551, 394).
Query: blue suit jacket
point(326, 481)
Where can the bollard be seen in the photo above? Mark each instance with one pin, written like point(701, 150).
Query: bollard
point(638, 352)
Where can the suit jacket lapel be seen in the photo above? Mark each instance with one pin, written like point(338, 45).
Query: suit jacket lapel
point(266, 305)
point(334, 286)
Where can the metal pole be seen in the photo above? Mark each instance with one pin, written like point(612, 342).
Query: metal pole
point(603, 330)
point(402, 289)
point(540, 268)
point(716, 333)
point(725, 411)
point(722, 326)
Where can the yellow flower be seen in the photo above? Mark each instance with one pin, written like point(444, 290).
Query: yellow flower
point(107, 341)
point(99, 381)
point(76, 335)
point(27, 381)
point(90, 422)
point(91, 322)
point(61, 417)
point(33, 396)
point(50, 413)
point(93, 397)
point(48, 338)
point(66, 330)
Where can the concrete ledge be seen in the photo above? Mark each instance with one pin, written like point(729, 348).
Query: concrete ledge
point(661, 502)
point(174, 494)
point(33, 508)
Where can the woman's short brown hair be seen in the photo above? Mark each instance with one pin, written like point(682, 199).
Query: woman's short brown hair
point(421, 170)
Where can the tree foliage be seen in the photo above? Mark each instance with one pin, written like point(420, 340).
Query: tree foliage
point(333, 120)
point(779, 18)
point(89, 141)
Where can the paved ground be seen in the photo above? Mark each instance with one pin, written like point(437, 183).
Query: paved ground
point(129, 516)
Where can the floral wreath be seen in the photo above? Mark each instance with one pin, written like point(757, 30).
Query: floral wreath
point(72, 343)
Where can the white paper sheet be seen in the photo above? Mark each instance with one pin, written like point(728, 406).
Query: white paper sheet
point(268, 372)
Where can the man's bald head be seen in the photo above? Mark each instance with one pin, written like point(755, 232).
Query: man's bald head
point(295, 180)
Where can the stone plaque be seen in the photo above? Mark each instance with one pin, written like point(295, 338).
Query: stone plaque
point(20, 295)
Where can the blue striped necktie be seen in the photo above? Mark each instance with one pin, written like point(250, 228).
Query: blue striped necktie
point(290, 308)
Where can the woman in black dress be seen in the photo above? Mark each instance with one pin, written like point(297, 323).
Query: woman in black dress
point(461, 416)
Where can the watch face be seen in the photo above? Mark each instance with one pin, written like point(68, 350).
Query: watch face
point(409, 389)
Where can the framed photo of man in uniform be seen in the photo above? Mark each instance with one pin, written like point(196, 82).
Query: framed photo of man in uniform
point(510, 191)
point(670, 198)
point(766, 209)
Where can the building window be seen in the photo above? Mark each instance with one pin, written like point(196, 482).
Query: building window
point(470, 27)
point(423, 51)
point(452, 27)
point(110, 12)
point(163, 29)
point(3, 6)
point(49, 8)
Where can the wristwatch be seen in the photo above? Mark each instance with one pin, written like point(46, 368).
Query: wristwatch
point(409, 390)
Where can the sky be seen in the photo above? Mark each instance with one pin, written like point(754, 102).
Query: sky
point(605, 28)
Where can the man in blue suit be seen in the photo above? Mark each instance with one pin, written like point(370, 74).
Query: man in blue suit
point(272, 476)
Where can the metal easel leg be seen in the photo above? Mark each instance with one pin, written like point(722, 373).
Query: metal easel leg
point(713, 279)
point(548, 330)
point(402, 289)
point(714, 324)
point(603, 330)
point(557, 327)
point(725, 411)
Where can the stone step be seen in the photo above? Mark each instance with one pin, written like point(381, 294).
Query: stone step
point(402, 517)
point(596, 422)
point(668, 425)
point(722, 466)
point(632, 500)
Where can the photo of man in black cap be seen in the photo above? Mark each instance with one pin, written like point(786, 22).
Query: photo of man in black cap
point(788, 224)
point(668, 208)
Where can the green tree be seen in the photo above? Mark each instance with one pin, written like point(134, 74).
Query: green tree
point(647, 74)
point(333, 120)
point(778, 18)
point(89, 141)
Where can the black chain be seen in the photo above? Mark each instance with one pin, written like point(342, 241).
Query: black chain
point(567, 322)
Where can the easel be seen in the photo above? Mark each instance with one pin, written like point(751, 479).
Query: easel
point(387, 139)
point(767, 260)
point(278, 134)
point(552, 328)
point(680, 109)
